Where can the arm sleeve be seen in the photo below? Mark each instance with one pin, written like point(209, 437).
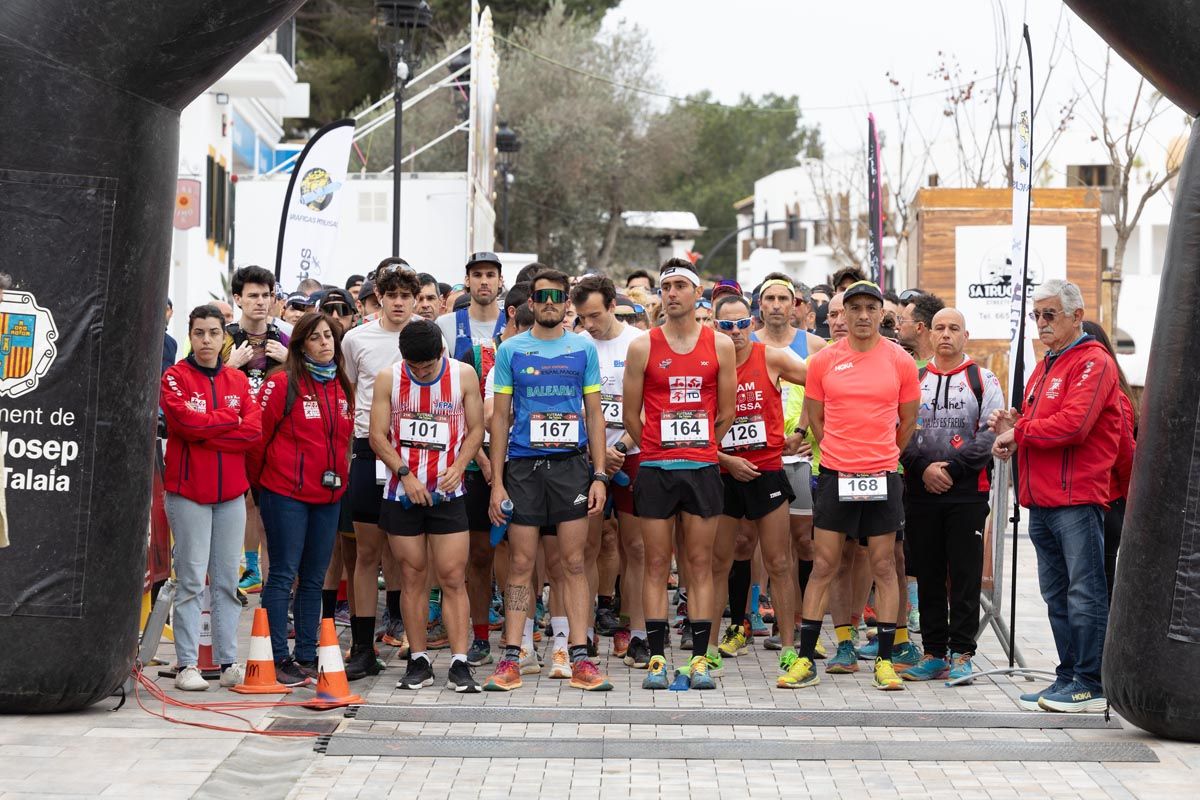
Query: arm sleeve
point(591, 374)
point(978, 452)
point(184, 421)
point(503, 369)
point(1090, 385)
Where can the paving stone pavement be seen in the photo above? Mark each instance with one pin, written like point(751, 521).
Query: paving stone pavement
point(130, 753)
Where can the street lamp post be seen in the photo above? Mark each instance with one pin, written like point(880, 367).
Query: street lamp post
point(398, 23)
point(508, 145)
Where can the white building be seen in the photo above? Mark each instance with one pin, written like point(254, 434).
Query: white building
point(235, 128)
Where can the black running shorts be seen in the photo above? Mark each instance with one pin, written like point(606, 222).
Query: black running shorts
point(365, 494)
point(662, 493)
point(547, 491)
point(478, 497)
point(756, 498)
point(858, 519)
point(440, 518)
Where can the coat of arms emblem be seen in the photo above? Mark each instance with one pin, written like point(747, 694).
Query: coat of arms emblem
point(27, 337)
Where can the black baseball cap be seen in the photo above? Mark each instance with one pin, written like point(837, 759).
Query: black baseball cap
point(484, 257)
point(299, 299)
point(862, 287)
point(335, 296)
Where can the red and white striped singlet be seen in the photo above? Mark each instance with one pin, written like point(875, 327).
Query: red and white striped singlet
point(428, 425)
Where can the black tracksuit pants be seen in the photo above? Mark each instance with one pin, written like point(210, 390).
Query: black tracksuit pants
point(946, 541)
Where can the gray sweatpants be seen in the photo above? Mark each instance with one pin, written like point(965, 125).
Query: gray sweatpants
point(208, 540)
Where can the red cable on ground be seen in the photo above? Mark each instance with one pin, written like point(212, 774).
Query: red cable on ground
point(224, 708)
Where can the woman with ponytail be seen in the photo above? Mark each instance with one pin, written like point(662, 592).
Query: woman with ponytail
point(301, 466)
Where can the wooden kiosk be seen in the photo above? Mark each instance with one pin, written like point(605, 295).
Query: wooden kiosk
point(960, 246)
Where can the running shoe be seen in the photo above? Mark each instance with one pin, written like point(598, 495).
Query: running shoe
point(766, 608)
point(1072, 699)
point(685, 637)
point(962, 668)
point(361, 663)
point(1032, 701)
point(620, 642)
point(461, 678)
point(537, 635)
point(560, 665)
point(716, 664)
point(437, 639)
point(435, 604)
point(607, 621)
point(418, 675)
point(393, 634)
point(914, 619)
point(587, 676)
point(905, 656)
point(844, 661)
point(480, 653)
point(734, 643)
point(869, 651)
point(818, 648)
point(886, 679)
point(232, 676)
point(541, 616)
point(699, 675)
point(309, 669)
point(681, 609)
point(495, 619)
point(251, 581)
point(189, 679)
point(656, 674)
point(288, 673)
point(638, 654)
point(758, 627)
point(506, 677)
point(799, 672)
point(529, 662)
point(341, 614)
point(929, 668)
point(773, 642)
point(673, 581)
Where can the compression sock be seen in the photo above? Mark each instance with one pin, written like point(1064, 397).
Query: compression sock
point(810, 631)
point(656, 636)
point(701, 631)
point(481, 632)
point(805, 570)
point(739, 584)
point(901, 634)
point(887, 636)
point(755, 596)
point(844, 633)
point(252, 561)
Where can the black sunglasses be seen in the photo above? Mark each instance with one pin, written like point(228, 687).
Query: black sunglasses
point(341, 309)
point(549, 296)
point(299, 306)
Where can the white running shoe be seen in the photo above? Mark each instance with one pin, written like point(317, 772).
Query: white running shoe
point(189, 679)
point(234, 676)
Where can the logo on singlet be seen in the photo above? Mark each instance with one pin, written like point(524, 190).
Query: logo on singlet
point(685, 388)
point(842, 367)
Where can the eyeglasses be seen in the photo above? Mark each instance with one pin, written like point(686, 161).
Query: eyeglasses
point(1049, 315)
point(341, 309)
point(728, 325)
point(549, 296)
point(458, 287)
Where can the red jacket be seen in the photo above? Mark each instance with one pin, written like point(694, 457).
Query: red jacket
point(1123, 468)
point(1069, 433)
point(296, 450)
point(212, 421)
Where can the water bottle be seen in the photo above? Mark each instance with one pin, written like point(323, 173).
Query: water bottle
point(498, 531)
point(437, 497)
point(620, 478)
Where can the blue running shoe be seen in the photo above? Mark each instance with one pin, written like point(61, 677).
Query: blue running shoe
point(927, 669)
point(656, 674)
point(698, 675)
point(905, 656)
point(1074, 698)
point(962, 668)
point(869, 651)
point(844, 661)
point(1031, 701)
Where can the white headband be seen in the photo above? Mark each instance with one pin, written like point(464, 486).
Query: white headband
point(681, 272)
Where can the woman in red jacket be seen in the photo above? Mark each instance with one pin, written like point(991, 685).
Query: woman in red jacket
point(301, 466)
point(212, 421)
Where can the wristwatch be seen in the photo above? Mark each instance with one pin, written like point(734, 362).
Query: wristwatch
point(600, 476)
point(402, 471)
point(621, 448)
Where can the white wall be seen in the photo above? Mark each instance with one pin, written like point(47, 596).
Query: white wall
point(433, 227)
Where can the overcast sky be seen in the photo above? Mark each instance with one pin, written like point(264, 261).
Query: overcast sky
point(834, 54)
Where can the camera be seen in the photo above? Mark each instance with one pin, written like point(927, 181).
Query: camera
point(331, 480)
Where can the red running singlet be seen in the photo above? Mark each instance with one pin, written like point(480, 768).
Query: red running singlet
point(680, 400)
point(757, 430)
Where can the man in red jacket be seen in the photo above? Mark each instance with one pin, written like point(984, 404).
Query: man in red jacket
point(1066, 436)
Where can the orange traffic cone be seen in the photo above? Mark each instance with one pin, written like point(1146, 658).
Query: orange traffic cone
point(260, 666)
point(204, 655)
point(333, 690)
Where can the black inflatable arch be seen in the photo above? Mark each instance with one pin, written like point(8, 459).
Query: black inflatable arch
point(91, 93)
